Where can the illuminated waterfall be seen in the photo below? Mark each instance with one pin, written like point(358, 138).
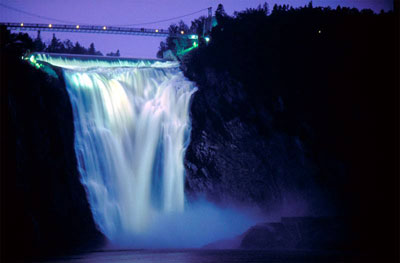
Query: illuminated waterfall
point(132, 127)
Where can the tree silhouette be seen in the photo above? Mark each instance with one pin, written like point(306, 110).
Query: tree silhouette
point(162, 48)
point(220, 13)
point(25, 43)
point(38, 44)
point(174, 42)
point(68, 46)
point(92, 51)
point(199, 27)
point(112, 54)
point(78, 49)
point(55, 46)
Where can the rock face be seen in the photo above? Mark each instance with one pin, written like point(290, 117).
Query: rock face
point(44, 205)
point(299, 122)
point(292, 233)
point(297, 233)
point(235, 155)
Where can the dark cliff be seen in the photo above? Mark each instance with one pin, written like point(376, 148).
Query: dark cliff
point(44, 210)
point(235, 155)
point(297, 113)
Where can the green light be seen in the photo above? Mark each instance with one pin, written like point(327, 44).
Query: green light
point(195, 44)
point(207, 39)
point(194, 37)
point(183, 52)
point(32, 60)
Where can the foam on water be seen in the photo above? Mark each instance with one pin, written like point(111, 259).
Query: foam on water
point(83, 61)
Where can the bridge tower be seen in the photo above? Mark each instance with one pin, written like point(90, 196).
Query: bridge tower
point(209, 19)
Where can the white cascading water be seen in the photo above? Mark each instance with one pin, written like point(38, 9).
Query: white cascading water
point(132, 127)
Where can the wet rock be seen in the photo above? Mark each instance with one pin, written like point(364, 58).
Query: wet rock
point(307, 233)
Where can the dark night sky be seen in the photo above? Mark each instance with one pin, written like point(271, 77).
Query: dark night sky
point(124, 12)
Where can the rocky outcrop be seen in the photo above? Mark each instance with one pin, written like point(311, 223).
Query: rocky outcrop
point(292, 233)
point(317, 233)
point(236, 156)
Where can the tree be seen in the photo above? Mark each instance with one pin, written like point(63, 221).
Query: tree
point(161, 49)
point(198, 26)
point(221, 16)
point(55, 46)
point(220, 13)
point(68, 46)
point(78, 49)
point(112, 54)
point(20, 41)
point(175, 43)
point(91, 50)
point(24, 43)
point(38, 44)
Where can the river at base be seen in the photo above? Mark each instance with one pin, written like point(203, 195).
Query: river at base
point(207, 256)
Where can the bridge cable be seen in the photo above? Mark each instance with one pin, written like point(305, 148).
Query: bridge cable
point(164, 20)
point(35, 15)
point(74, 23)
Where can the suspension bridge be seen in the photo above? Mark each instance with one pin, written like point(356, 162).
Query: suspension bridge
point(90, 29)
point(68, 26)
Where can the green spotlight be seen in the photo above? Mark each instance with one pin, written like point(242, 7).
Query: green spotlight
point(195, 44)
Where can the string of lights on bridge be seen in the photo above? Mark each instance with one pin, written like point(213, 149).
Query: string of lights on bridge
point(78, 25)
point(100, 29)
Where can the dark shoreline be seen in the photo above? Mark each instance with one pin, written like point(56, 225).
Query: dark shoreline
point(215, 256)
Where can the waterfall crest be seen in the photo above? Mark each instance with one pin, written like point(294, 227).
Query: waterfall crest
point(132, 128)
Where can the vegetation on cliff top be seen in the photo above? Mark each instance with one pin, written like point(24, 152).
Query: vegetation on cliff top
point(24, 43)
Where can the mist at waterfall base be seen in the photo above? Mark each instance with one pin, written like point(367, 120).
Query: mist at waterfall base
point(132, 127)
point(199, 224)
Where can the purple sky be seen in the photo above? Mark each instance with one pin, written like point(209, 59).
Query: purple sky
point(124, 12)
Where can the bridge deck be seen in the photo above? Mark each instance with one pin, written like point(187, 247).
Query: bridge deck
point(89, 29)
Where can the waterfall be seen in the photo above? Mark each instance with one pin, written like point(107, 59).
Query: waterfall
point(132, 127)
